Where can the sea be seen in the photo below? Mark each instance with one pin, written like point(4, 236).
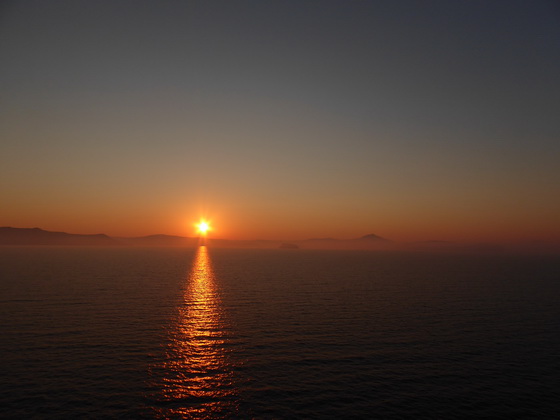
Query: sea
point(208, 333)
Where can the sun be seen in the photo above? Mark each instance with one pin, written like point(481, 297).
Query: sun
point(203, 227)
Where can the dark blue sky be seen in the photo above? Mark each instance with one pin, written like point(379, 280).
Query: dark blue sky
point(407, 118)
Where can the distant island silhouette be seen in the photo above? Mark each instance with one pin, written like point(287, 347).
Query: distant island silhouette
point(287, 245)
point(37, 237)
point(10, 236)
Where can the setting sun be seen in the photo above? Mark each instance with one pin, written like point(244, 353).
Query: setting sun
point(203, 227)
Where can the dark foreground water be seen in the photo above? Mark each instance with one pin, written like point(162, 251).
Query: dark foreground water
point(211, 333)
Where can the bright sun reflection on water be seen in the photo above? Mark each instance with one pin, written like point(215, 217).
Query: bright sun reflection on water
point(198, 380)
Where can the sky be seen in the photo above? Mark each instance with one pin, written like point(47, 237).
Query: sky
point(413, 120)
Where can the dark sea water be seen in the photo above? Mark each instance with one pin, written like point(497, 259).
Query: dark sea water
point(217, 333)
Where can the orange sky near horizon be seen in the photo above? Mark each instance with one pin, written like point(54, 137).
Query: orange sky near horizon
point(238, 222)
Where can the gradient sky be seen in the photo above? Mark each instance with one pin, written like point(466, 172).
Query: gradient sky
point(414, 120)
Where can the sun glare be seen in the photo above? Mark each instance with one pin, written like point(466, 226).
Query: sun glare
point(203, 227)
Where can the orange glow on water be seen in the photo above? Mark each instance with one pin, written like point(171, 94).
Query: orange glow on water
point(198, 378)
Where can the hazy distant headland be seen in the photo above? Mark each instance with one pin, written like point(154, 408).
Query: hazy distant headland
point(38, 237)
point(10, 236)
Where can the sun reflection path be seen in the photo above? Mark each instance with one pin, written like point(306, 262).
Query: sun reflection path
point(198, 380)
